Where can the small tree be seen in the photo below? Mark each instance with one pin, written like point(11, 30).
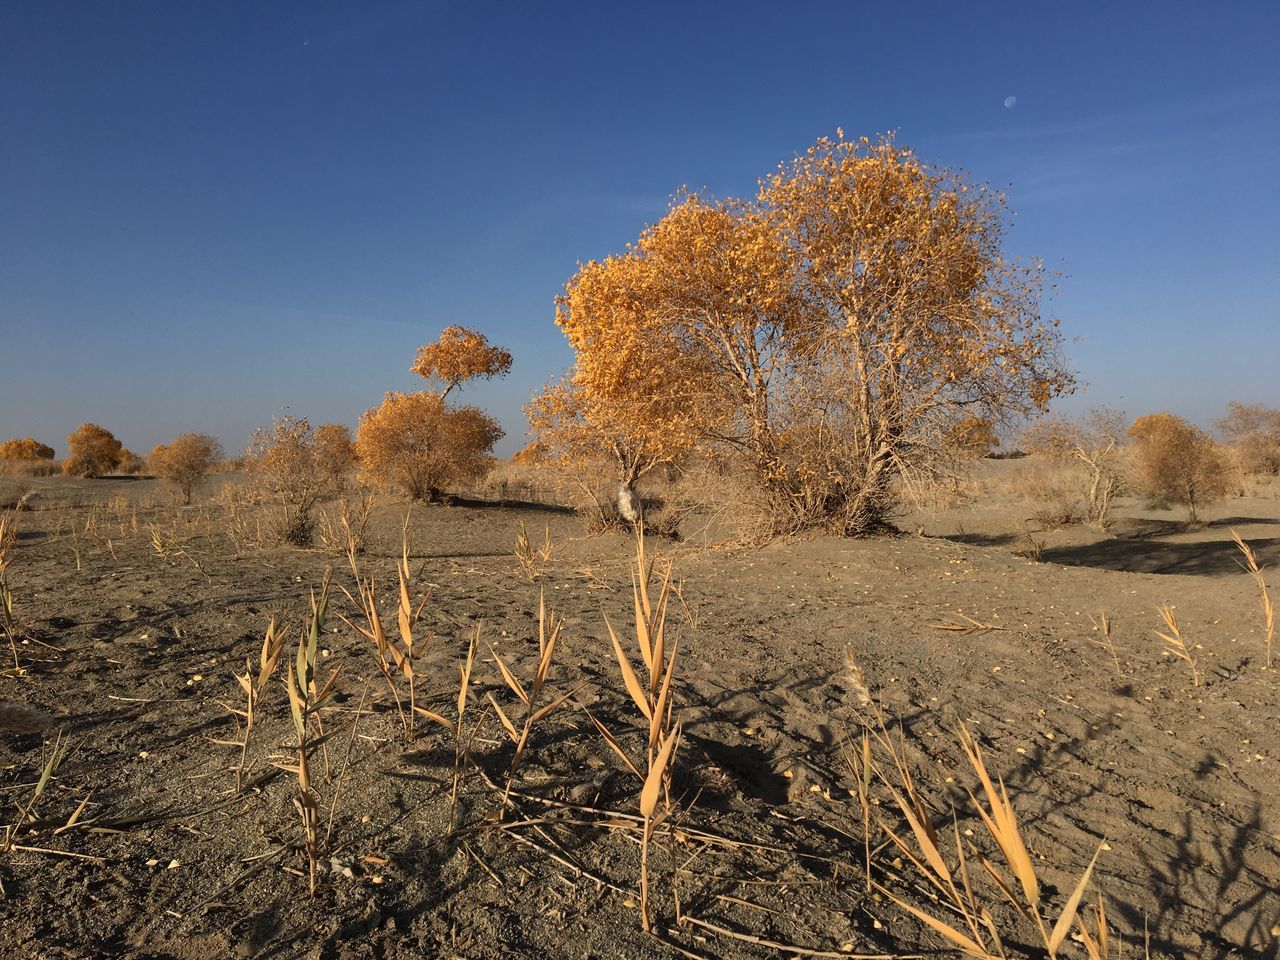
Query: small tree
point(27, 448)
point(186, 461)
point(417, 444)
point(92, 451)
point(1254, 430)
point(335, 451)
point(458, 356)
point(284, 460)
point(1177, 462)
point(1094, 442)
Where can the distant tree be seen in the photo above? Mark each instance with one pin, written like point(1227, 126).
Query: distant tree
point(531, 454)
point(130, 463)
point(184, 462)
point(418, 444)
point(971, 438)
point(284, 460)
point(1177, 462)
point(25, 449)
point(335, 451)
point(1094, 441)
point(1254, 430)
point(92, 451)
point(458, 356)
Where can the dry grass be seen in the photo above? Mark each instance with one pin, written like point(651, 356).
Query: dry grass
point(530, 693)
point(307, 697)
point(395, 657)
point(1268, 611)
point(1175, 645)
point(1102, 627)
point(1011, 877)
point(532, 559)
point(8, 620)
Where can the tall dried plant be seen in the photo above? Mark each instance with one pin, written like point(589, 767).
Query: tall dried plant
point(1254, 570)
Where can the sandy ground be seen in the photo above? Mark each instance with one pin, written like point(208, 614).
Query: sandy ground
point(132, 656)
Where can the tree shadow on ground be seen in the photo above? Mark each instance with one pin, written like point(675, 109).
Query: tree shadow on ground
point(1214, 558)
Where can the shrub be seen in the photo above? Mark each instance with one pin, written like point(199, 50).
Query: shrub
point(335, 452)
point(92, 451)
point(1093, 441)
point(417, 444)
point(186, 461)
point(971, 438)
point(1177, 462)
point(1254, 429)
point(284, 461)
point(25, 449)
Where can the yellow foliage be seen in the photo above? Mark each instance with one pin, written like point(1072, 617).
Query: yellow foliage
point(418, 444)
point(824, 331)
point(92, 451)
point(27, 448)
point(460, 355)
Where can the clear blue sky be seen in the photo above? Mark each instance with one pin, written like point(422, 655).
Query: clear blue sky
point(210, 213)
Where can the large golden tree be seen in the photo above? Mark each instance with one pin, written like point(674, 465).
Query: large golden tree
point(826, 332)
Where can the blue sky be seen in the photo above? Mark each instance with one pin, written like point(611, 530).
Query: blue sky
point(213, 213)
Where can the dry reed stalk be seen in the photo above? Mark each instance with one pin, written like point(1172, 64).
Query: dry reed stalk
point(54, 756)
point(1254, 570)
point(394, 658)
point(1102, 625)
point(653, 700)
point(530, 694)
point(1174, 642)
point(306, 699)
point(532, 559)
point(457, 726)
point(268, 658)
point(1015, 882)
point(8, 536)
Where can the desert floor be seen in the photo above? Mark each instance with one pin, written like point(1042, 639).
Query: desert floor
point(140, 848)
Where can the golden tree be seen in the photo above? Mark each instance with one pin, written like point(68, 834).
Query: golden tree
point(460, 355)
point(92, 451)
point(418, 444)
point(335, 451)
point(27, 448)
point(1177, 462)
point(826, 332)
point(184, 462)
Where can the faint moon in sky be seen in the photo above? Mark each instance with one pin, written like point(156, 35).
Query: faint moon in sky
point(1010, 102)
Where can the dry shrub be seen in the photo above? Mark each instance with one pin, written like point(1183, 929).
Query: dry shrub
point(185, 462)
point(284, 462)
point(93, 451)
point(1254, 430)
point(417, 444)
point(971, 438)
point(29, 468)
point(1091, 443)
point(1176, 462)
